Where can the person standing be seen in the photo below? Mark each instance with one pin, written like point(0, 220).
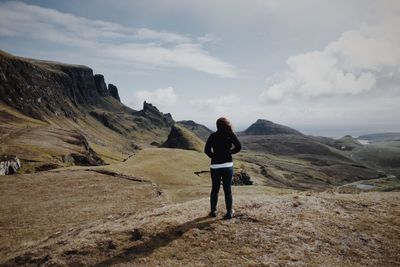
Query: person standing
point(219, 147)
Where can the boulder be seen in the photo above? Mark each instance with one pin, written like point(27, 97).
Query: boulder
point(241, 178)
point(9, 164)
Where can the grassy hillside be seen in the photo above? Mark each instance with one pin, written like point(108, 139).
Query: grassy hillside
point(151, 210)
point(200, 130)
point(75, 196)
point(44, 104)
point(147, 206)
point(380, 155)
point(181, 137)
point(50, 144)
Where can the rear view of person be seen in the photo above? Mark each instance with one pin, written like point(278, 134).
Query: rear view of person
point(219, 149)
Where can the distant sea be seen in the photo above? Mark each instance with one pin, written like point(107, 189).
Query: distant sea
point(340, 131)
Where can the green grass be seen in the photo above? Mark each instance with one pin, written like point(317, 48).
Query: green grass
point(180, 137)
point(174, 171)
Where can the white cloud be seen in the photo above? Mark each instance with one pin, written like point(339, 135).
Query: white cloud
point(170, 37)
point(216, 103)
point(207, 110)
point(187, 55)
point(351, 65)
point(162, 97)
point(109, 41)
point(209, 38)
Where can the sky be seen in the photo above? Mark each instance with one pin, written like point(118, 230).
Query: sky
point(323, 67)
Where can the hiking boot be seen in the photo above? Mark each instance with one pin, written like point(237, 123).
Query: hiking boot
point(212, 214)
point(229, 215)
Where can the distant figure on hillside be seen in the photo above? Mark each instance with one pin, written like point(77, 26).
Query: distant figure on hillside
point(219, 149)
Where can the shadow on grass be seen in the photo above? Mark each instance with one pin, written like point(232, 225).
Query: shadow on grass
point(159, 240)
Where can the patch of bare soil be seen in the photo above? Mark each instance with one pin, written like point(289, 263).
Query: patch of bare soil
point(293, 230)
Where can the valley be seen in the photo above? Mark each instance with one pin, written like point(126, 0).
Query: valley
point(101, 184)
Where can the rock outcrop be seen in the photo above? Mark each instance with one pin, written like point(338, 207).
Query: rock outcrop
point(241, 178)
point(114, 91)
point(101, 86)
point(9, 164)
point(265, 127)
point(53, 91)
point(152, 118)
point(87, 157)
point(180, 137)
point(42, 89)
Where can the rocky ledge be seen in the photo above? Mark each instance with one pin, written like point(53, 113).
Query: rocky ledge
point(9, 164)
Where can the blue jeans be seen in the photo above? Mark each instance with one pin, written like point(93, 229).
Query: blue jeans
point(226, 175)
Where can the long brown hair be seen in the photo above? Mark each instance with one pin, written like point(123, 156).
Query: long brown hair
point(223, 124)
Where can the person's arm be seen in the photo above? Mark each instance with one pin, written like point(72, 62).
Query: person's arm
point(207, 148)
point(236, 143)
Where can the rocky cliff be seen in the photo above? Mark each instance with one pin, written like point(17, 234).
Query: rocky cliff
point(114, 91)
point(45, 90)
point(153, 118)
point(42, 89)
point(38, 98)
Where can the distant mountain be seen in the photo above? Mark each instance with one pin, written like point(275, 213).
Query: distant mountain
point(347, 142)
point(310, 162)
point(200, 130)
point(265, 127)
point(180, 137)
point(289, 145)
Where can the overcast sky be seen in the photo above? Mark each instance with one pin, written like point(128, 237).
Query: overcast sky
point(324, 67)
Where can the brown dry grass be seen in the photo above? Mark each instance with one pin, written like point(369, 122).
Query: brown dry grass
point(290, 230)
point(79, 217)
point(35, 206)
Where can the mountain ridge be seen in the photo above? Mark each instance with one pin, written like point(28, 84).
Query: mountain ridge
point(266, 127)
point(42, 97)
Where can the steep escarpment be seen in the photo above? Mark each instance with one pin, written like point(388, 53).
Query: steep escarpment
point(144, 126)
point(42, 89)
point(114, 91)
point(52, 96)
point(153, 118)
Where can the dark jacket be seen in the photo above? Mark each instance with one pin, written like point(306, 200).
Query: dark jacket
point(219, 147)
